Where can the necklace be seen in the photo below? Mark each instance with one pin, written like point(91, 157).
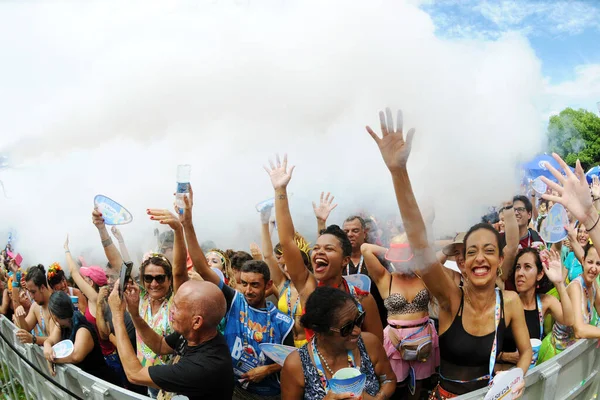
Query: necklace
point(324, 360)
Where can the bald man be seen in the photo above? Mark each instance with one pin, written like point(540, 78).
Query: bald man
point(203, 368)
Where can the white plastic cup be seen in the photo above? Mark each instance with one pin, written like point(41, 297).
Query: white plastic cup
point(535, 346)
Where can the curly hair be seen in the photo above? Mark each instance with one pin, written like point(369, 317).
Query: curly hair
point(336, 231)
point(323, 307)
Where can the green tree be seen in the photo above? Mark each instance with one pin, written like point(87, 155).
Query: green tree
point(575, 134)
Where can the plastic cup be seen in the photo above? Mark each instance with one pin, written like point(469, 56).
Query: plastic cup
point(535, 346)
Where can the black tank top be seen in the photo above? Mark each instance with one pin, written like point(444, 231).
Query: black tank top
point(532, 318)
point(465, 357)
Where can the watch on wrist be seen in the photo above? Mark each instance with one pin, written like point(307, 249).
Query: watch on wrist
point(33, 339)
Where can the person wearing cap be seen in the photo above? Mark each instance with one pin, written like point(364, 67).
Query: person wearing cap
point(454, 252)
point(90, 280)
point(408, 324)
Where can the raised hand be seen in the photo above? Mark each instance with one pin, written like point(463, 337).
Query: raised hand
point(97, 219)
point(394, 149)
point(571, 230)
point(102, 295)
point(66, 245)
point(185, 214)
point(553, 268)
point(255, 251)
point(265, 214)
point(117, 234)
point(165, 217)
point(595, 187)
point(325, 206)
point(132, 297)
point(572, 190)
point(280, 176)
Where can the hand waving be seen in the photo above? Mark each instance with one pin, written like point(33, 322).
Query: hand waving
point(117, 234)
point(394, 149)
point(553, 268)
point(325, 206)
point(572, 190)
point(280, 176)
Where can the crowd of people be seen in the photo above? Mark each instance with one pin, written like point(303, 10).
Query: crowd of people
point(192, 318)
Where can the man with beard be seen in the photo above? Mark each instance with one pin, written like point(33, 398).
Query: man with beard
point(250, 320)
point(37, 286)
point(355, 228)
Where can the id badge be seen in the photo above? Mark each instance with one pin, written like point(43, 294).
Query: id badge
point(246, 362)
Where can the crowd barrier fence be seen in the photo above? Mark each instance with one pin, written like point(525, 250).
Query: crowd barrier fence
point(571, 375)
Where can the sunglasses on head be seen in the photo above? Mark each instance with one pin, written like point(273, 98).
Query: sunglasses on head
point(349, 326)
point(160, 279)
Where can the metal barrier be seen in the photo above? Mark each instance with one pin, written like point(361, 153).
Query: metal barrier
point(37, 386)
point(573, 374)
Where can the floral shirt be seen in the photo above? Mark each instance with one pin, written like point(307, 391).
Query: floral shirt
point(161, 323)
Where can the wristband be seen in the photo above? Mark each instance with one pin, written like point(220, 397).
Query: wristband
point(106, 242)
point(33, 339)
point(15, 283)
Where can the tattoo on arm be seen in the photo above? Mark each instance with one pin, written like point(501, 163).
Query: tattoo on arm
point(282, 197)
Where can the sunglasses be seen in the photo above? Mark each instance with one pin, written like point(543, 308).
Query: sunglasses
point(349, 326)
point(160, 279)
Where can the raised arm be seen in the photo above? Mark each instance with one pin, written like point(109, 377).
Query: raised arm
point(85, 287)
point(122, 247)
point(323, 210)
point(511, 229)
point(101, 324)
point(395, 151)
point(196, 253)
point(575, 246)
point(165, 217)
point(561, 309)
point(267, 249)
point(574, 195)
point(299, 274)
point(377, 271)
point(596, 192)
point(112, 254)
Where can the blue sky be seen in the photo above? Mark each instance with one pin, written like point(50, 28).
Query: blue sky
point(565, 35)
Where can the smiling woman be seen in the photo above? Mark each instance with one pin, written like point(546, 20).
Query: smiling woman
point(473, 317)
point(338, 343)
point(330, 254)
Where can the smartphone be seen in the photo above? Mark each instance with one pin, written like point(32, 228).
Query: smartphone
point(124, 277)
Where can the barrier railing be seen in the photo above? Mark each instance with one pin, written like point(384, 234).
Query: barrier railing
point(73, 383)
point(571, 375)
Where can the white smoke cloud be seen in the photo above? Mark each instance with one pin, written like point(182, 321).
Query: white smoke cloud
point(108, 97)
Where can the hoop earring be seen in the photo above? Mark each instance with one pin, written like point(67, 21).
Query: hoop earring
point(499, 272)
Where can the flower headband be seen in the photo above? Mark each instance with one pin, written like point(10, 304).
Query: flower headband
point(53, 270)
